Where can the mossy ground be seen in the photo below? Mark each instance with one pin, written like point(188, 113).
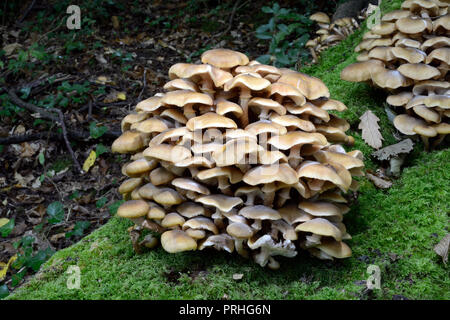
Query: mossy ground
point(395, 229)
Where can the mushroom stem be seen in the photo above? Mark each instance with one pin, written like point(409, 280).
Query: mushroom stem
point(244, 98)
point(239, 246)
point(269, 197)
point(224, 186)
point(439, 139)
point(426, 143)
point(189, 111)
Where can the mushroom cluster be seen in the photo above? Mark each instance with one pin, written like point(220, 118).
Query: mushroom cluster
point(330, 33)
point(238, 156)
point(408, 54)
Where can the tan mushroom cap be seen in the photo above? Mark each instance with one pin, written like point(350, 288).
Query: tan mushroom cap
point(412, 55)
point(309, 109)
point(235, 152)
point(391, 79)
point(181, 98)
point(410, 25)
point(418, 71)
point(167, 197)
point(224, 106)
point(395, 15)
point(286, 90)
point(320, 208)
point(151, 125)
point(174, 241)
point(405, 124)
point(442, 24)
point(290, 120)
point(132, 209)
point(442, 128)
point(219, 242)
point(167, 152)
point(346, 160)
point(436, 42)
point(331, 104)
point(320, 17)
point(427, 114)
point(161, 176)
point(149, 105)
point(224, 58)
point(196, 161)
point(270, 173)
point(271, 157)
point(221, 202)
point(234, 175)
point(240, 230)
point(440, 54)
point(408, 43)
point(384, 28)
point(433, 86)
point(198, 72)
point(201, 223)
point(247, 81)
point(399, 99)
point(155, 212)
point(294, 138)
point(336, 249)
point(140, 167)
point(420, 6)
point(171, 220)
point(265, 126)
point(129, 142)
point(173, 134)
point(180, 84)
point(196, 234)
point(361, 71)
point(316, 170)
point(425, 131)
point(190, 209)
point(266, 105)
point(210, 120)
point(190, 185)
point(129, 185)
point(292, 214)
point(259, 212)
point(320, 227)
point(147, 191)
point(131, 118)
point(238, 134)
point(312, 88)
point(175, 115)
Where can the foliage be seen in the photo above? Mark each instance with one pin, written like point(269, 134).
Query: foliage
point(287, 31)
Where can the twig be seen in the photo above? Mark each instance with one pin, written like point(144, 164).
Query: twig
point(26, 12)
point(64, 131)
point(31, 107)
point(143, 85)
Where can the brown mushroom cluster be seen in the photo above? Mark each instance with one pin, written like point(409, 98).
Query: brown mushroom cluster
point(408, 54)
point(238, 156)
point(330, 33)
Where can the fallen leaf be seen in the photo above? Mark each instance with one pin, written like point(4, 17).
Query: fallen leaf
point(378, 182)
point(121, 96)
point(393, 150)
point(10, 48)
point(5, 266)
point(90, 160)
point(442, 248)
point(3, 221)
point(370, 129)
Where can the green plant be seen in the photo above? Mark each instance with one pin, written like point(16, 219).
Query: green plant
point(288, 33)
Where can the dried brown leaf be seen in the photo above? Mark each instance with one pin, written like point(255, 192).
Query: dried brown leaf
point(394, 150)
point(442, 248)
point(379, 182)
point(371, 130)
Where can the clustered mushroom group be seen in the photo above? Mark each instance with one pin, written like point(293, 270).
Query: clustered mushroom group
point(330, 33)
point(238, 156)
point(408, 54)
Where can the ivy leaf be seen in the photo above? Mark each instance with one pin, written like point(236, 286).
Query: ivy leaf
point(95, 131)
point(113, 207)
point(55, 210)
point(78, 229)
point(6, 229)
point(101, 202)
point(371, 130)
point(101, 149)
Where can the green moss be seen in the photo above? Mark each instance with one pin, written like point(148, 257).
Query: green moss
point(395, 229)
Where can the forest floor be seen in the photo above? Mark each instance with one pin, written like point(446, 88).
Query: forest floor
point(395, 228)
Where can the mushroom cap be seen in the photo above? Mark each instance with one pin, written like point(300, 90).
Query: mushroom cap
point(265, 126)
point(131, 118)
point(235, 151)
point(139, 167)
point(224, 106)
point(167, 197)
point(190, 209)
point(196, 234)
point(234, 175)
point(418, 71)
point(270, 173)
point(361, 71)
point(150, 104)
point(442, 128)
point(210, 120)
point(155, 212)
point(224, 58)
point(180, 84)
point(442, 24)
point(292, 214)
point(220, 201)
point(425, 87)
point(294, 138)
point(436, 42)
point(181, 98)
point(321, 227)
point(427, 114)
point(311, 87)
point(320, 17)
point(391, 79)
point(201, 223)
point(413, 25)
point(173, 134)
point(190, 185)
point(259, 212)
point(412, 55)
point(320, 208)
point(248, 81)
point(316, 170)
point(196, 161)
point(384, 28)
point(129, 142)
point(219, 242)
point(405, 124)
point(336, 249)
point(286, 90)
point(331, 104)
point(174, 114)
point(268, 104)
point(347, 161)
point(132, 209)
point(440, 54)
point(147, 191)
point(154, 124)
point(425, 131)
point(167, 152)
point(309, 109)
point(290, 120)
point(129, 185)
point(174, 241)
point(239, 230)
point(171, 220)
point(399, 99)
point(395, 15)
point(195, 73)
